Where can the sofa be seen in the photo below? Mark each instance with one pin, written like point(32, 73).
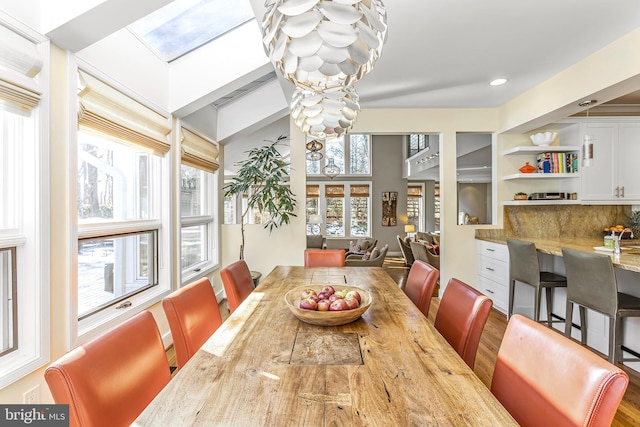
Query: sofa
point(405, 248)
point(376, 258)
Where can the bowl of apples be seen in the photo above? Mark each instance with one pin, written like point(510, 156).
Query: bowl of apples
point(328, 305)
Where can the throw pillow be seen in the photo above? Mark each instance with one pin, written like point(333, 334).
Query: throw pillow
point(353, 247)
point(366, 256)
point(363, 244)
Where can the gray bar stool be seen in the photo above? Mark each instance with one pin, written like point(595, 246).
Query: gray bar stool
point(592, 284)
point(524, 267)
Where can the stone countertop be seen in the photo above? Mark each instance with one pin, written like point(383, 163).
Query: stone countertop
point(629, 259)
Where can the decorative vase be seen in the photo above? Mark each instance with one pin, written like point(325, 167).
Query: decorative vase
point(527, 168)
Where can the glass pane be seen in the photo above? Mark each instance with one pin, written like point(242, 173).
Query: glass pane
point(312, 208)
point(184, 25)
point(414, 205)
point(112, 268)
point(334, 148)
point(313, 167)
point(359, 154)
point(360, 216)
point(194, 245)
point(192, 191)
point(229, 210)
point(335, 217)
point(8, 303)
point(113, 180)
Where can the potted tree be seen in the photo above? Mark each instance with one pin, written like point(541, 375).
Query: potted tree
point(262, 177)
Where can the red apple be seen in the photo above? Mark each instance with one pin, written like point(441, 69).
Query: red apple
point(352, 303)
point(308, 304)
point(341, 293)
point(323, 295)
point(353, 294)
point(323, 305)
point(307, 293)
point(338, 305)
point(329, 290)
point(334, 297)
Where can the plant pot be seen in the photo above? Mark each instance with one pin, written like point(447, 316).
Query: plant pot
point(520, 197)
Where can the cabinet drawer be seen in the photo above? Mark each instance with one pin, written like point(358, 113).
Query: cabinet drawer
point(493, 269)
point(499, 294)
point(492, 250)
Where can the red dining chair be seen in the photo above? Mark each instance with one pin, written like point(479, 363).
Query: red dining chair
point(324, 258)
point(110, 380)
point(544, 379)
point(193, 315)
point(237, 282)
point(421, 282)
point(461, 317)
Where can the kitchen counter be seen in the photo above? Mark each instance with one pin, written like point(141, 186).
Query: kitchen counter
point(629, 259)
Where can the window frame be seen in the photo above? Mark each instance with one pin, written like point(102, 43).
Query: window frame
point(322, 207)
point(346, 161)
point(82, 331)
point(31, 233)
point(207, 219)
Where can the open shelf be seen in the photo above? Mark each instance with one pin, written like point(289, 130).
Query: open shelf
point(533, 149)
point(540, 202)
point(540, 176)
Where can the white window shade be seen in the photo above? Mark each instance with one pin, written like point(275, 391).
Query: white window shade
point(20, 63)
point(199, 153)
point(109, 112)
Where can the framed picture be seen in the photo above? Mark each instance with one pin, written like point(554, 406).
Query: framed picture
point(389, 203)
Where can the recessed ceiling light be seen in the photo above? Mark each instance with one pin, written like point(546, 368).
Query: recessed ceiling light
point(498, 82)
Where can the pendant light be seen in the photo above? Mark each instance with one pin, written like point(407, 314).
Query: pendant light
point(587, 142)
point(313, 150)
point(331, 169)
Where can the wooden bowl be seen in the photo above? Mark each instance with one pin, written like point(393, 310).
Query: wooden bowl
point(326, 318)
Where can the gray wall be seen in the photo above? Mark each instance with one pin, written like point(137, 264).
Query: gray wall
point(473, 199)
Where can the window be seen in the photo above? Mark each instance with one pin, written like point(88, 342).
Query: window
point(417, 143)
point(8, 304)
point(197, 206)
point(24, 203)
point(353, 156)
point(345, 208)
point(415, 203)
point(122, 207)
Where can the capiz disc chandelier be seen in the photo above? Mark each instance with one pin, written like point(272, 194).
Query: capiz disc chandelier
point(325, 115)
point(324, 44)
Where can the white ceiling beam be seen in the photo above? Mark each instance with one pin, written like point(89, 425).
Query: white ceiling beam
point(96, 23)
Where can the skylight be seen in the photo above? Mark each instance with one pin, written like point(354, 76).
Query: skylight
point(185, 25)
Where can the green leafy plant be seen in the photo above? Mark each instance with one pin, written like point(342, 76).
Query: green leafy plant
point(634, 223)
point(262, 177)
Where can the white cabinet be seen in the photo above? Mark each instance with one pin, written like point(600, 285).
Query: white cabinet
point(614, 175)
point(493, 272)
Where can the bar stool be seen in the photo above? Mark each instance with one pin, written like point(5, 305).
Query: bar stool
point(592, 284)
point(524, 267)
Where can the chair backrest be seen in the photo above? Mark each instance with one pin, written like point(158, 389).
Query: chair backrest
point(324, 258)
point(523, 262)
point(111, 379)
point(461, 317)
point(544, 379)
point(591, 280)
point(419, 251)
point(421, 282)
point(434, 258)
point(237, 282)
point(193, 315)
point(407, 255)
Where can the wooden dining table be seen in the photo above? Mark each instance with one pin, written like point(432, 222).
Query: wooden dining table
point(264, 367)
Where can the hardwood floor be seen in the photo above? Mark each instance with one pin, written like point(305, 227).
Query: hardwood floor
point(628, 413)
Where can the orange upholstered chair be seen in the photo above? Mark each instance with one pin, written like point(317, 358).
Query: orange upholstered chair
point(110, 380)
point(324, 258)
point(461, 317)
point(237, 282)
point(544, 379)
point(420, 285)
point(193, 315)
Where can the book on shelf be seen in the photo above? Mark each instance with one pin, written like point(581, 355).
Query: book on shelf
point(552, 162)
